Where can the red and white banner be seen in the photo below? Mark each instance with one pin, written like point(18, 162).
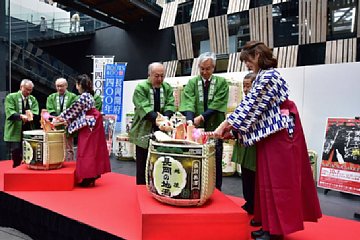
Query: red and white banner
point(340, 165)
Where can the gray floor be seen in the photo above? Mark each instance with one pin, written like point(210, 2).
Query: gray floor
point(333, 203)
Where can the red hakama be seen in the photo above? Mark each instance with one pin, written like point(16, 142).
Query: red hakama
point(92, 157)
point(285, 190)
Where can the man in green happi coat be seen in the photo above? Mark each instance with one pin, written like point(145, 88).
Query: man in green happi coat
point(20, 110)
point(56, 103)
point(150, 97)
point(204, 101)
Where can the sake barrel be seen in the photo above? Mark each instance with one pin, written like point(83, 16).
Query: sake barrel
point(235, 94)
point(126, 149)
point(43, 150)
point(228, 167)
point(238, 169)
point(129, 117)
point(313, 161)
point(181, 174)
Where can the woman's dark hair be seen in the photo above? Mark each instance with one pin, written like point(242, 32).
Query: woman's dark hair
point(86, 83)
point(266, 59)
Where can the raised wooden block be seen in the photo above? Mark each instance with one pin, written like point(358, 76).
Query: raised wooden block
point(23, 179)
point(219, 218)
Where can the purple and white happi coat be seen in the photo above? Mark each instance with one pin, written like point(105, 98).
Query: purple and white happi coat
point(259, 115)
point(76, 116)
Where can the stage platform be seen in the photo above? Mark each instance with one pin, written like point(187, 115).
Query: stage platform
point(24, 179)
point(118, 209)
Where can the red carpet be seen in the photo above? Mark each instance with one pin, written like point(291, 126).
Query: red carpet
point(109, 208)
point(328, 228)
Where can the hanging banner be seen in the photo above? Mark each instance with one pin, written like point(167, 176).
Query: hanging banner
point(113, 89)
point(340, 165)
point(109, 127)
point(98, 72)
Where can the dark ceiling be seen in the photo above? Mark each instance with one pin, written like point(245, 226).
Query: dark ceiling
point(121, 13)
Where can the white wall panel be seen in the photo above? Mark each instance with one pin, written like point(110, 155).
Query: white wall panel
point(320, 91)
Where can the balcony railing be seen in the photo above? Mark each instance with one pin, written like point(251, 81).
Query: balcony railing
point(28, 30)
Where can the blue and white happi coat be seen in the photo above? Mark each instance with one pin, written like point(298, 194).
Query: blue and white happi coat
point(76, 116)
point(258, 114)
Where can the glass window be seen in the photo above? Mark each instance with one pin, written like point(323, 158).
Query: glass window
point(184, 13)
point(311, 54)
point(286, 23)
point(342, 19)
point(184, 68)
point(200, 37)
point(239, 32)
point(259, 3)
point(218, 8)
point(222, 63)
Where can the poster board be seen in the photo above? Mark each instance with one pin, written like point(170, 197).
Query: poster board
point(340, 162)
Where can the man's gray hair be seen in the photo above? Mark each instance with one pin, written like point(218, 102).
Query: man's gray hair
point(60, 80)
point(26, 81)
point(152, 65)
point(206, 56)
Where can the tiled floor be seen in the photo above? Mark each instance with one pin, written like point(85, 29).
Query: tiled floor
point(333, 203)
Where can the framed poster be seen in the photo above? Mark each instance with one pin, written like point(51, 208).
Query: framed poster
point(340, 164)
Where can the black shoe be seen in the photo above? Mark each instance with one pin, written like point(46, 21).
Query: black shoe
point(268, 236)
point(264, 236)
point(255, 223)
point(87, 182)
point(248, 209)
point(257, 233)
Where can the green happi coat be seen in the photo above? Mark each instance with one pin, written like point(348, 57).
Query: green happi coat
point(245, 156)
point(98, 102)
point(53, 102)
point(143, 100)
point(13, 105)
point(192, 99)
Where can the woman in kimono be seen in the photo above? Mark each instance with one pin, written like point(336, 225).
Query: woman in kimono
point(92, 158)
point(285, 194)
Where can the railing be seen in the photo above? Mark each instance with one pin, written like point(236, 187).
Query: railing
point(27, 30)
point(44, 67)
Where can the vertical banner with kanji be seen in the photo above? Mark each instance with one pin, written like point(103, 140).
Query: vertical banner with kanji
point(98, 73)
point(109, 127)
point(113, 89)
point(340, 165)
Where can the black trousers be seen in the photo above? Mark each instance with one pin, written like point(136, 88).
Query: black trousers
point(141, 157)
point(248, 185)
point(14, 152)
point(218, 162)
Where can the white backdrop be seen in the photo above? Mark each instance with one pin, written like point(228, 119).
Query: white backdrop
point(321, 91)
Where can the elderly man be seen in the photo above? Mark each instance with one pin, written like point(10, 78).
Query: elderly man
point(20, 108)
point(56, 103)
point(204, 101)
point(150, 97)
